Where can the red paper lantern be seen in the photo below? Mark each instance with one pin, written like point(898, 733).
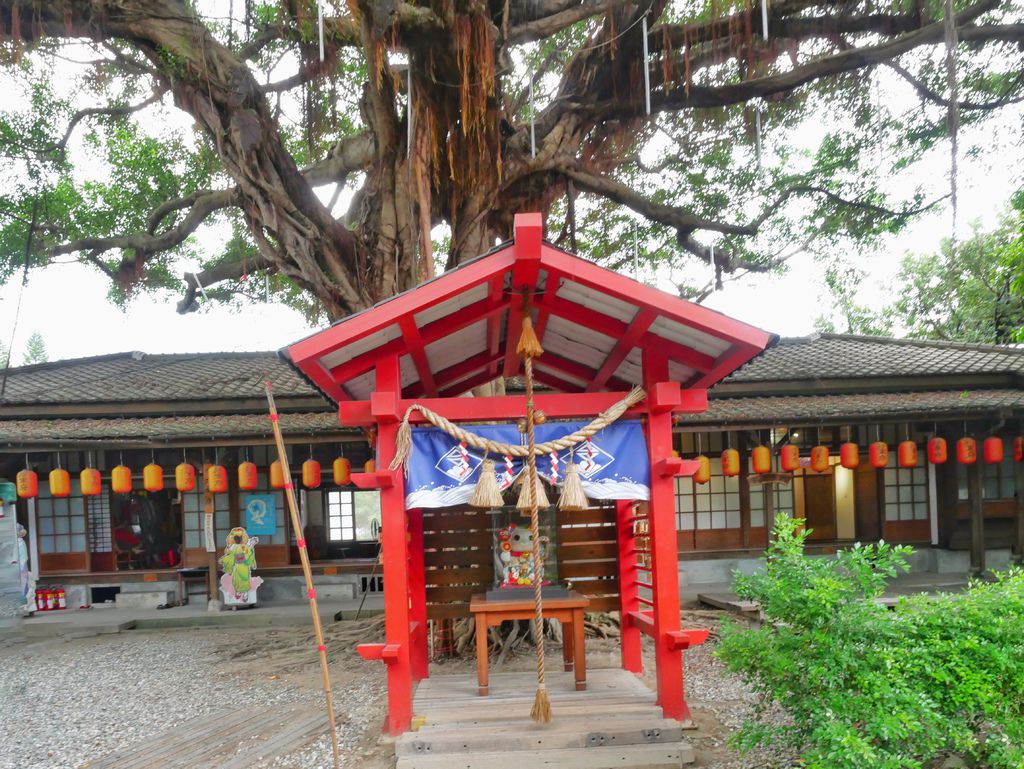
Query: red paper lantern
point(703, 474)
point(849, 455)
point(730, 463)
point(185, 477)
point(878, 454)
point(91, 481)
point(216, 479)
point(276, 475)
point(27, 483)
point(248, 476)
point(121, 479)
point(342, 471)
point(153, 477)
point(761, 458)
point(967, 451)
point(906, 455)
point(819, 459)
point(937, 451)
point(310, 473)
point(60, 483)
point(1018, 449)
point(371, 466)
point(789, 458)
point(992, 450)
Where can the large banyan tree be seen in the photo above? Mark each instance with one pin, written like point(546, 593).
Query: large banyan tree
point(326, 154)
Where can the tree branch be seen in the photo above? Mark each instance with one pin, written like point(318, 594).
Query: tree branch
point(697, 96)
point(197, 281)
point(119, 111)
point(352, 153)
point(931, 95)
point(146, 243)
point(670, 216)
point(877, 210)
point(545, 26)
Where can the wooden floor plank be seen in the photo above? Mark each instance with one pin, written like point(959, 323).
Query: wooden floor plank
point(627, 757)
point(613, 723)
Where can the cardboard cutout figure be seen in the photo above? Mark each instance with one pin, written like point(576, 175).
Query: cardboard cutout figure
point(238, 585)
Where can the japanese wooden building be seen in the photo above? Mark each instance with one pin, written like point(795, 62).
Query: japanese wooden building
point(821, 389)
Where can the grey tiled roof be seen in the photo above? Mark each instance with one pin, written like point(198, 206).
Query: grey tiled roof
point(202, 428)
point(773, 410)
point(140, 377)
point(841, 356)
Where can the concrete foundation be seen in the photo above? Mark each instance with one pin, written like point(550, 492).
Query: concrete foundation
point(138, 599)
point(340, 587)
point(697, 573)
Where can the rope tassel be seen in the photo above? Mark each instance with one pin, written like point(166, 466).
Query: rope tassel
point(524, 502)
point(574, 498)
point(486, 494)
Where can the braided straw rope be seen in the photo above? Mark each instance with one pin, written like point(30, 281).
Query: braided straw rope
point(541, 712)
point(403, 441)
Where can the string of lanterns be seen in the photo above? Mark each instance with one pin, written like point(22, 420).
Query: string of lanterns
point(215, 477)
point(937, 453)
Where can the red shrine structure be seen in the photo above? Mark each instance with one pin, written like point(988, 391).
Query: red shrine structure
point(602, 334)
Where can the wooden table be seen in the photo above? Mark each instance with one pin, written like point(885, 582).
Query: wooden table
point(568, 611)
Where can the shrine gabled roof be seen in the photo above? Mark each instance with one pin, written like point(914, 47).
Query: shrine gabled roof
point(460, 329)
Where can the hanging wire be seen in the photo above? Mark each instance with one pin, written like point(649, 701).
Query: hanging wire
point(409, 128)
point(758, 150)
point(320, 25)
point(636, 255)
point(533, 131)
point(647, 65)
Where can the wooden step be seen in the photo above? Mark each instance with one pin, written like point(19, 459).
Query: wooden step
point(557, 736)
point(659, 756)
point(468, 715)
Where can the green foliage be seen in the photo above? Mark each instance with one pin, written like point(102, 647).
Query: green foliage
point(971, 293)
point(868, 688)
point(35, 350)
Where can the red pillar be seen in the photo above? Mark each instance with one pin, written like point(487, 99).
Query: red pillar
point(664, 551)
point(629, 634)
point(417, 596)
point(396, 555)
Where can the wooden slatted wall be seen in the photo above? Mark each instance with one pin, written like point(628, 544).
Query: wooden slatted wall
point(457, 558)
point(459, 562)
point(588, 554)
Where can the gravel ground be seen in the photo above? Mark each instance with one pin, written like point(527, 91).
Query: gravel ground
point(63, 703)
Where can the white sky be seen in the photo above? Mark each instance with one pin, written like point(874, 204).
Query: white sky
point(67, 303)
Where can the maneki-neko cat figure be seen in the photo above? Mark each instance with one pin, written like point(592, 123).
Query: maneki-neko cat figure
point(238, 584)
point(514, 557)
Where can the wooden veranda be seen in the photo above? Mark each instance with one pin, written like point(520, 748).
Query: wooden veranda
point(602, 334)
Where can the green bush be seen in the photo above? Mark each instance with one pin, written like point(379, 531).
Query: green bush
point(864, 687)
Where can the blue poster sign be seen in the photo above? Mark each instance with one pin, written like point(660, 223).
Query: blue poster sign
point(261, 514)
point(442, 472)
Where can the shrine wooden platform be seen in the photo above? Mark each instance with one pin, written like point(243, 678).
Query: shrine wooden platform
point(614, 723)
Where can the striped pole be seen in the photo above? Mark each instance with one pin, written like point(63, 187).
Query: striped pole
point(293, 509)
